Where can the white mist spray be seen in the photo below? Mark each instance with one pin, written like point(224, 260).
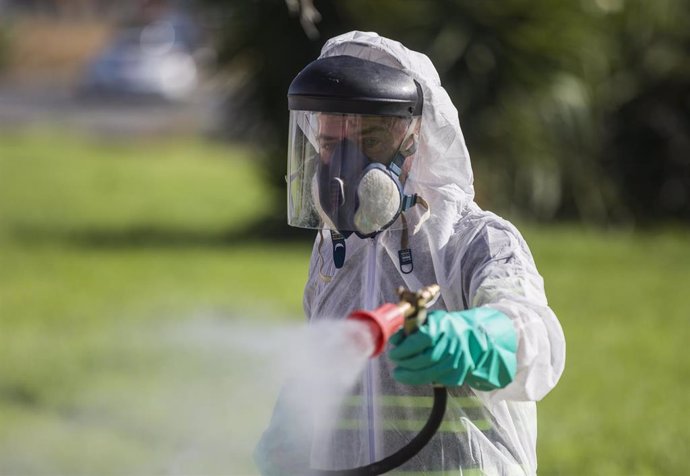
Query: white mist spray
point(323, 372)
point(313, 366)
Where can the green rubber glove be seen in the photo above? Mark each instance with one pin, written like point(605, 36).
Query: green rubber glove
point(476, 346)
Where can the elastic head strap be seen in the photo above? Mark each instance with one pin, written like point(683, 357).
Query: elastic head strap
point(399, 158)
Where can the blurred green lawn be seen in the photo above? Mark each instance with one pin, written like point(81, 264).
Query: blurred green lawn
point(105, 246)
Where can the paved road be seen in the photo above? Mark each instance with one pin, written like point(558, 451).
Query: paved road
point(59, 107)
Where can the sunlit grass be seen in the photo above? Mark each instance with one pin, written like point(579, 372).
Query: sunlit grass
point(623, 302)
point(106, 246)
point(54, 184)
point(102, 245)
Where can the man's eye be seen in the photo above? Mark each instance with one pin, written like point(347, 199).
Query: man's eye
point(370, 142)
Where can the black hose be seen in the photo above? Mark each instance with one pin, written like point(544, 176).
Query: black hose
point(415, 445)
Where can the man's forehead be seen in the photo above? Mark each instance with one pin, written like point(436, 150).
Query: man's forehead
point(332, 122)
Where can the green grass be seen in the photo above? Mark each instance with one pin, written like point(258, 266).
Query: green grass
point(103, 247)
point(622, 299)
point(117, 262)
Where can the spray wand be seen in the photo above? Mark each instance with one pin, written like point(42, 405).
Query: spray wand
point(409, 313)
point(383, 322)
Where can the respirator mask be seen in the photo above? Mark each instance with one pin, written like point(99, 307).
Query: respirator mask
point(349, 177)
point(353, 132)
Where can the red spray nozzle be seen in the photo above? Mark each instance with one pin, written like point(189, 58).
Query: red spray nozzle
point(383, 322)
point(386, 319)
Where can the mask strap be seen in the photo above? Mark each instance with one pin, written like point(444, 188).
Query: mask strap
point(338, 241)
point(410, 201)
point(324, 277)
point(396, 164)
point(420, 201)
point(405, 253)
point(396, 167)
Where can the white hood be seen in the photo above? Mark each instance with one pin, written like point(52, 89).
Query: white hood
point(441, 172)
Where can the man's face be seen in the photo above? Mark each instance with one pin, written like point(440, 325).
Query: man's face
point(378, 138)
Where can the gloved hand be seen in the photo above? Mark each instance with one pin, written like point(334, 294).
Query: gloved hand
point(476, 346)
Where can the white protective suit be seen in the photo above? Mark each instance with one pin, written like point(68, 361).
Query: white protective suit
point(477, 259)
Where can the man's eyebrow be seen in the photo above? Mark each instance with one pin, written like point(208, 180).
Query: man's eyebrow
point(327, 137)
point(371, 129)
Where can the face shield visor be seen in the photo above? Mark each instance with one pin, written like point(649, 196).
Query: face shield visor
point(353, 129)
point(346, 171)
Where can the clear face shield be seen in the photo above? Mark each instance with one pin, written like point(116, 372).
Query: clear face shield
point(346, 171)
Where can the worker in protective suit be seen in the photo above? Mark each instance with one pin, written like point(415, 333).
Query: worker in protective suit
point(378, 163)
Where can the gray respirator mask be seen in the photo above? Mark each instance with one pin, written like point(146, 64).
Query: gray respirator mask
point(353, 194)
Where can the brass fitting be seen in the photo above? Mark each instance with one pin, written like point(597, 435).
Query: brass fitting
point(414, 305)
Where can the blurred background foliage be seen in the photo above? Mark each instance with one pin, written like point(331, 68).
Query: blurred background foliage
point(4, 45)
point(571, 110)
